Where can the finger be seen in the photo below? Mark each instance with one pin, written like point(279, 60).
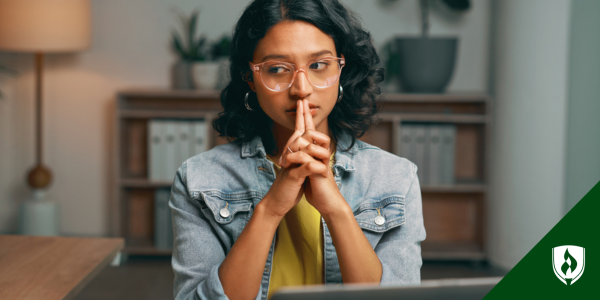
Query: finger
point(296, 158)
point(318, 138)
point(300, 126)
point(307, 169)
point(308, 120)
point(301, 158)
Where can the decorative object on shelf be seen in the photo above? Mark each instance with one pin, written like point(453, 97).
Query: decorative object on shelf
point(201, 64)
point(221, 51)
point(41, 26)
point(427, 63)
point(191, 52)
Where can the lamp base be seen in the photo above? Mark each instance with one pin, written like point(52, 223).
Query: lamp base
point(39, 216)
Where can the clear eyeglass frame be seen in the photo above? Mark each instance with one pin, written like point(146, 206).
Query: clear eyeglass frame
point(257, 68)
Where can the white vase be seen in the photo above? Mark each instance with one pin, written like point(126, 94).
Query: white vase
point(206, 75)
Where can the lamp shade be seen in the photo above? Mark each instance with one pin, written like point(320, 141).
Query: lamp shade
point(45, 25)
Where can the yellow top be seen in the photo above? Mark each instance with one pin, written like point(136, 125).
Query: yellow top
point(298, 257)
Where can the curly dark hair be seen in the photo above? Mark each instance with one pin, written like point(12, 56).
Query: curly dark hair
point(359, 79)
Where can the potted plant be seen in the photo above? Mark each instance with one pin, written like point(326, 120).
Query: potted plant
point(192, 70)
point(427, 63)
point(220, 52)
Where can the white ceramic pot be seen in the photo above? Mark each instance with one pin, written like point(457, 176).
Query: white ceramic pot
point(206, 75)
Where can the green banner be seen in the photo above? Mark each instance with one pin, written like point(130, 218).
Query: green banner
point(564, 264)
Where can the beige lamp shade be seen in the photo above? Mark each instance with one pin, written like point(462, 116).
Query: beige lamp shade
point(45, 25)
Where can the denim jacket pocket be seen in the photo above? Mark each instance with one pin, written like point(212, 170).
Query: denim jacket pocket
point(381, 215)
point(226, 207)
point(228, 213)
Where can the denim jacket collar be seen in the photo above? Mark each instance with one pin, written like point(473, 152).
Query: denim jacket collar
point(343, 160)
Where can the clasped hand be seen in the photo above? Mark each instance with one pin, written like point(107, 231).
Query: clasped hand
point(305, 165)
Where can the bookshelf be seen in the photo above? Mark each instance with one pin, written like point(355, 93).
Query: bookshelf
point(454, 213)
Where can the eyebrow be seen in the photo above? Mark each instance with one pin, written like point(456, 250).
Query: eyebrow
point(281, 56)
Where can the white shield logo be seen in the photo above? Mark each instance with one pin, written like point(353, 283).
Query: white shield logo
point(568, 263)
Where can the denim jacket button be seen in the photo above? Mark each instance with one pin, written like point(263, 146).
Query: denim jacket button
point(379, 220)
point(339, 185)
point(224, 212)
point(266, 270)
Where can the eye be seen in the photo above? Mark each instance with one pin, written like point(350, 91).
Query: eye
point(319, 65)
point(278, 69)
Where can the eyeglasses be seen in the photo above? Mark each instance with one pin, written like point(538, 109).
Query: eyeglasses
point(278, 76)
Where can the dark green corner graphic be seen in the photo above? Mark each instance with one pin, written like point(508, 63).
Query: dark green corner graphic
point(535, 276)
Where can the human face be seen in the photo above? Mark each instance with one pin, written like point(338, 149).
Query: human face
point(298, 43)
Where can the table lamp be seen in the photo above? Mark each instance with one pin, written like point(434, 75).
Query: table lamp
point(42, 26)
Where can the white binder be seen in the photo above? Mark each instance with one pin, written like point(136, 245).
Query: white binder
point(185, 135)
point(434, 143)
point(420, 152)
point(171, 157)
point(199, 143)
point(155, 150)
point(448, 152)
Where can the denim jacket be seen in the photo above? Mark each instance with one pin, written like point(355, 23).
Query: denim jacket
point(239, 176)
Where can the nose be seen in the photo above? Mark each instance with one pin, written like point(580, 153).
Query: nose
point(301, 87)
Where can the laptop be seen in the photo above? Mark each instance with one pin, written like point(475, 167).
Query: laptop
point(461, 288)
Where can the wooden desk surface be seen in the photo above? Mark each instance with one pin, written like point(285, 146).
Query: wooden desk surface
point(40, 267)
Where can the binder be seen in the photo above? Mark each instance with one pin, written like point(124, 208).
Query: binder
point(155, 149)
point(434, 144)
point(420, 152)
point(448, 154)
point(406, 141)
point(171, 157)
point(184, 130)
point(199, 143)
point(163, 229)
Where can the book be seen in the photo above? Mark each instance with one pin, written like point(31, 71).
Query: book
point(447, 159)
point(155, 150)
point(199, 143)
point(434, 144)
point(140, 215)
point(170, 155)
point(406, 141)
point(185, 136)
point(136, 156)
point(420, 132)
point(163, 230)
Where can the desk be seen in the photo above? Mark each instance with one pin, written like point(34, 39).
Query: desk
point(42, 267)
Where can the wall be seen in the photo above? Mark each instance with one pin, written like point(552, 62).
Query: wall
point(529, 84)
point(583, 140)
point(130, 49)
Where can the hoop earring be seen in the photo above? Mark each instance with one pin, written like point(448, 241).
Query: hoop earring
point(341, 94)
point(246, 102)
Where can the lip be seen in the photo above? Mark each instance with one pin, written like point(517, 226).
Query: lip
point(313, 112)
point(293, 108)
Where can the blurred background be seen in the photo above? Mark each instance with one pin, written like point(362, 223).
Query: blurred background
point(513, 83)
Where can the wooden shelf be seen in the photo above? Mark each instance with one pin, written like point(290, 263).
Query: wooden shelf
point(454, 214)
point(452, 251)
point(465, 97)
point(456, 188)
point(149, 114)
point(144, 183)
point(446, 118)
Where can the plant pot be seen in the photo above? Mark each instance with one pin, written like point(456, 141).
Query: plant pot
point(181, 75)
point(224, 76)
point(206, 75)
point(426, 63)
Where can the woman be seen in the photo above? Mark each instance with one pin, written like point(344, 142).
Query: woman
point(296, 199)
